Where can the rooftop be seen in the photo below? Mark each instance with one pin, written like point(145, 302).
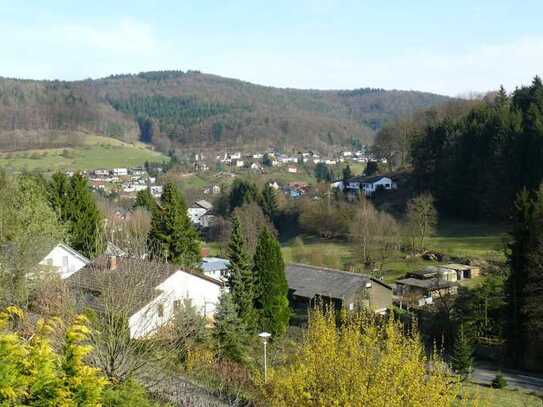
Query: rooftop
point(429, 283)
point(310, 281)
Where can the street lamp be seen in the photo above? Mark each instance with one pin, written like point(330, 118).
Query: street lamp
point(265, 336)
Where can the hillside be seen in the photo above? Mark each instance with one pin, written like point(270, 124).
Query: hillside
point(174, 108)
point(92, 152)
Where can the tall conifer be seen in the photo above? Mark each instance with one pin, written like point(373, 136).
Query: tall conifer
point(172, 237)
point(271, 288)
point(83, 219)
point(240, 276)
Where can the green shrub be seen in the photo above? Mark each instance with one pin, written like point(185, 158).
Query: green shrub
point(127, 394)
point(499, 381)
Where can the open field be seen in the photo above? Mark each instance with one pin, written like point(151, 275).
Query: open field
point(465, 239)
point(96, 152)
point(473, 394)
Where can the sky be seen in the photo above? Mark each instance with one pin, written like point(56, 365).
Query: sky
point(448, 47)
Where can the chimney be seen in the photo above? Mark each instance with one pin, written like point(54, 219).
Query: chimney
point(112, 262)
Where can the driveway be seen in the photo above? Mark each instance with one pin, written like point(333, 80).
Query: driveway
point(531, 382)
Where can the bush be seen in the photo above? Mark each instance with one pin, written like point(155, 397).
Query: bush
point(361, 362)
point(499, 381)
point(127, 394)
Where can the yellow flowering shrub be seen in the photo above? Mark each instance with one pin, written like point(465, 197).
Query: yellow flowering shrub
point(32, 373)
point(361, 362)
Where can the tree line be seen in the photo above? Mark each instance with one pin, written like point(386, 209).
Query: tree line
point(476, 163)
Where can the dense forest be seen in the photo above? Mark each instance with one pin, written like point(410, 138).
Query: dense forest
point(174, 108)
point(476, 162)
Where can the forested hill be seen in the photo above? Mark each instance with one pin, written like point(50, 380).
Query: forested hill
point(174, 108)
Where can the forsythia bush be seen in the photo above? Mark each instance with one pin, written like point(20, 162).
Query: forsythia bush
point(32, 373)
point(360, 363)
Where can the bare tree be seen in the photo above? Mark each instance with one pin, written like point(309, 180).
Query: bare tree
point(112, 293)
point(421, 220)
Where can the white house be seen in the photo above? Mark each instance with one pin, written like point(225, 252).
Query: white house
point(156, 190)
point(120, 171)
point(65, 260)
point(369, 185)
point(235, 156)
point(153, 291)
point(239, 163)
point(292, 170)
point(203, 293)
point(195, 214)
point(215, 267)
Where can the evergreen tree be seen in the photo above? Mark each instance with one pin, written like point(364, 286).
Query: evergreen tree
point(347, 173)
point(525, 282)
point(83, 218)
point(372, 167)
point(145, 200)
point(462, 358)
point(271, 285)
point(323, 173)
point(229, 331)
point(172, 237)
point(242, 192)
point(58, 190)
point(268, 202)
point(240, 276)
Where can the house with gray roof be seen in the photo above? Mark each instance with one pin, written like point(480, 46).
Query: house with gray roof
point(147, 294)
point(308, 285)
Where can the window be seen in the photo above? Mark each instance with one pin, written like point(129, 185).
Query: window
point(49, 262)
point(65, 262)
point(160, 310)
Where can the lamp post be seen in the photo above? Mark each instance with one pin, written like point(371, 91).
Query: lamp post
point(265, 336)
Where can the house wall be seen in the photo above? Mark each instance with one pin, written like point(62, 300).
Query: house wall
point(65, 262)
point(380, 297)
point(204, 295)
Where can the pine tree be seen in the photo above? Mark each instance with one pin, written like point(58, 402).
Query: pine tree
point(229, 331)
point(525, 282)
point(271, 288)
point(240, 276)
point(462, 358)
point(172, 237)
point(347, 173)
point(268, 202)
point(145, 200)
point(58, 190)
point(83, 219)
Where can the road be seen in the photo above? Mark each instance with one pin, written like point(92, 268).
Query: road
point(531, 382)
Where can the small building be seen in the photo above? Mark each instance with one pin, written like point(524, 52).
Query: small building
point(309, 285)
point(195, 214)
point(370, 185)
point(463, 271)
point(101, 173)
point(292, 169)
point(119, 171)
point(202, 203)
point(156, 190)
point(215, 267)
point(64, 260)
point(149, 293)
point(419, 292)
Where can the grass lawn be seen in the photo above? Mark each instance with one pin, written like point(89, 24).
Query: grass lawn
point(486, 396)
point(464, 239)
point(96, 152)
